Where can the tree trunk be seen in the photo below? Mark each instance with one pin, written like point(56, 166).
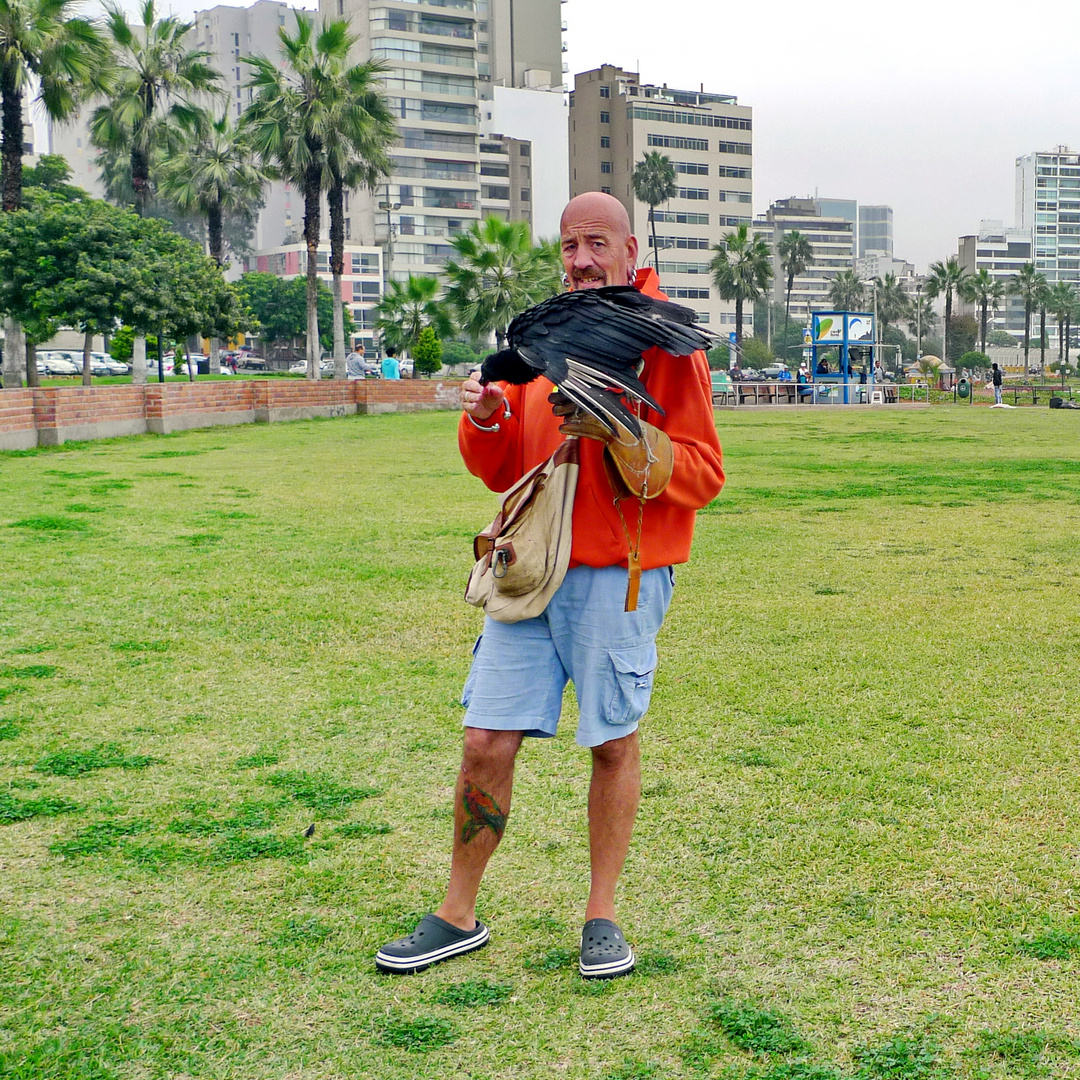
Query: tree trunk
point(1042, 339)
point(945, 331)
point(138, 360)
point(983, 350)
point(11, 138)
point(652, 229)
point(1068, 330)
point(311, 237)
point(1027, 337)
point(14, 354)
point(32, 377)
point(87, 345)
point(738, 327)
point(336, 201)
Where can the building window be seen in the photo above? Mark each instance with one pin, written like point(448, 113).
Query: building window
point(606, 190)
point(693, 168)
point(526, 195)
point(693, 193)
point(605, 118)
point(605, 166)
point(734, 148)
point(605, 91)
point(605, 142)
point(525, 150)
point(678, 142)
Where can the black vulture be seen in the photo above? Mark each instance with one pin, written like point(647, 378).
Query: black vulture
point(589, 344)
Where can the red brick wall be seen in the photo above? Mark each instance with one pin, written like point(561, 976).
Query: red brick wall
point(16, 410)
point(51, 410)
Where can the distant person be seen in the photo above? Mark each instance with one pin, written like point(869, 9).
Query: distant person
point(822, 367)
point(879, 372)
point(805, 389)
point(995, 381)
point(391, 369)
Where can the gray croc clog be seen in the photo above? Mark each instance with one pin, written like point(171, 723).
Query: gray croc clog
point(433, 941)
point(605, 953)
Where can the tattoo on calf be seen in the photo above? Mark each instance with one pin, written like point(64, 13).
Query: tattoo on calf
point(481, 812)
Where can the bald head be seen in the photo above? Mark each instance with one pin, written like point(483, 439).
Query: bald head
point(597, 247)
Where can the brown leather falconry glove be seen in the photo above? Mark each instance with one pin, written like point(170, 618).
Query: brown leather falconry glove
point(639, 468)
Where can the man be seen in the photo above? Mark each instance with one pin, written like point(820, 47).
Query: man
point(590, 632)
point(995, 379)
point(391, 368)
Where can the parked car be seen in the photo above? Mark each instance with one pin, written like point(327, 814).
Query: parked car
point(104, 364)
point(252, 363)
point(776, 370)
point(59, 363)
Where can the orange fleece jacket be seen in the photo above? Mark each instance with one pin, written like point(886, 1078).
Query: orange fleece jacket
point(530, 434)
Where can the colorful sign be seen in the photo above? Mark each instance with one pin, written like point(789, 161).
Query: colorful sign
point(860, 328)
point(828, 327)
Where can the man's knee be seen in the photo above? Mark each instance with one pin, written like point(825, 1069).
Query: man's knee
point(490, 749)
point(616, 753)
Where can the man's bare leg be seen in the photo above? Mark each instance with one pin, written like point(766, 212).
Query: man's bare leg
point(614, 794)
point(481, 806)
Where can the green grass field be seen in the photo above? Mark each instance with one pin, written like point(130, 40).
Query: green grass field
point(857, 852)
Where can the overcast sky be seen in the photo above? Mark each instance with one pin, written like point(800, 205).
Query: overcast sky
point(924, 105)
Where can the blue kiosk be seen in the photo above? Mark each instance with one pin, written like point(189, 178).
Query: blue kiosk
point(842, 356)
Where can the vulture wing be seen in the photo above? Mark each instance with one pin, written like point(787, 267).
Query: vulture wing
point(589, 343)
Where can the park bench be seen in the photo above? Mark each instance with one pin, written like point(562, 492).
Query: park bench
point(1046, 390)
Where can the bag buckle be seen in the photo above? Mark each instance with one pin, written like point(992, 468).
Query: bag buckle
point(501, 563)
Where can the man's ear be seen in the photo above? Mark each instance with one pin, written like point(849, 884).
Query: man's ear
point(632, 251)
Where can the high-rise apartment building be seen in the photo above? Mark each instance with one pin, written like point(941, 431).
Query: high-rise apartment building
point(1002, 252)
point(444, 58)
point(875, 233)
point(832, 241)
point(1048, 211)
point(615, 120)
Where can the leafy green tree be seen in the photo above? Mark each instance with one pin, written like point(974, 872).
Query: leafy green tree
point(755, 353)
point(796, 256)
point(98, 266)
point(156, 78)
point(986, 291)
point(963, 335)
point(1000, 337)
point(1026, 284)
point(846, 292)
point(741, 271)
point(427, 356)
point(946, 279)
point(654, 181)
point(279, 307)
point(497, 273)
point(1043, 299)
point(974, 362)
point(458, 353)
point(406, 309)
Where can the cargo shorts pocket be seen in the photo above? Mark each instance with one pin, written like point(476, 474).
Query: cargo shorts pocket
point(632, 674)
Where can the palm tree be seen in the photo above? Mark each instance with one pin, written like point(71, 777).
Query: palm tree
point(294, 120)
point(1026, 285)
point(921, 319)
point(892, 302)
point(39, 39)
point(654, 181)
point(846, 292)
point(406, 308)
point(213, 174)
point(356, 157)
point(946, 279)
point(986, 291)
point(497, 274)
point(156, 77)
point(1043, 300)
point(741, 270)
point(796, 254)
point(1062, 299)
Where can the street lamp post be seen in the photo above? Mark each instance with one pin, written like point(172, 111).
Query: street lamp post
point(389, 207)
point(918, 321)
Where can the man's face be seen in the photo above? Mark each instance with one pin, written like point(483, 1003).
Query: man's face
point(596, 251)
